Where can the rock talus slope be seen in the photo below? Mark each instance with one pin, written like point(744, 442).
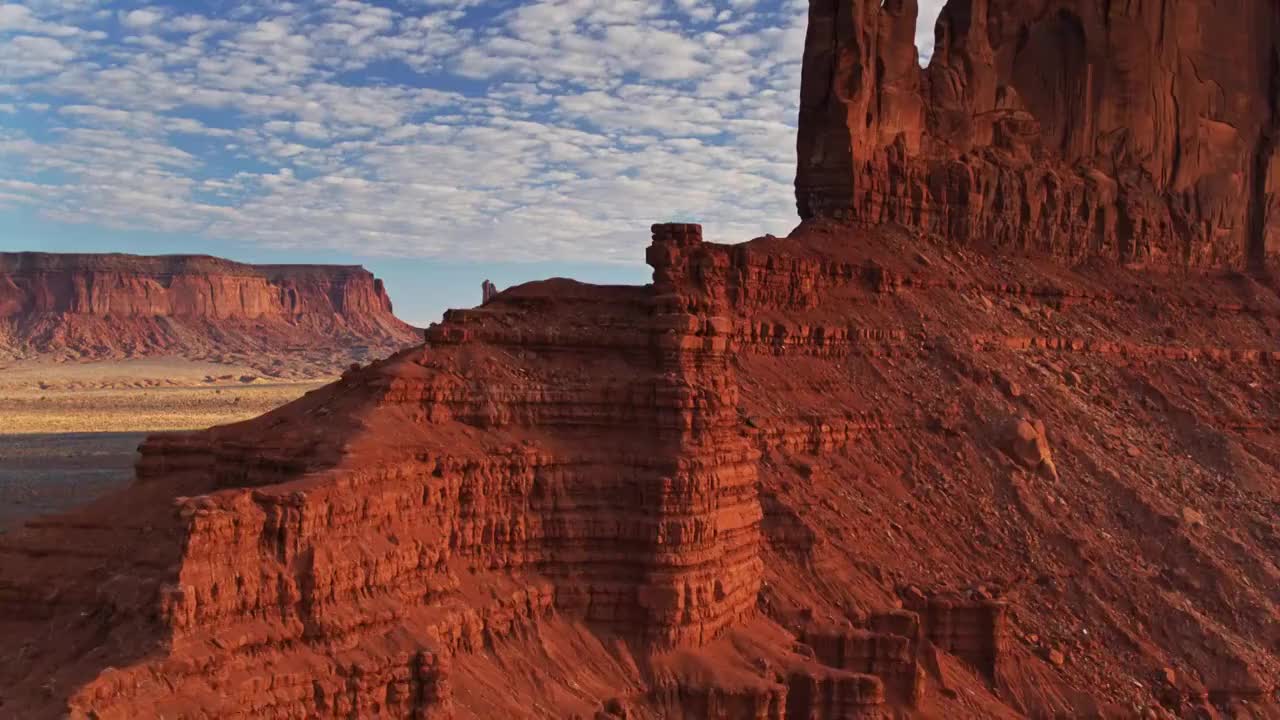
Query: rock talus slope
point(868, 470)
point(108, 306)
point(790, 479)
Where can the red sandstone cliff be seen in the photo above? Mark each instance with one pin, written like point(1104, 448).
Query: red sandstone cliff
point(100, 306)
point(851, 473)
point(1139, 131)
point(787, 480)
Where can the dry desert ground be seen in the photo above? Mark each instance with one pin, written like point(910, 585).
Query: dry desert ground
point(68, 431)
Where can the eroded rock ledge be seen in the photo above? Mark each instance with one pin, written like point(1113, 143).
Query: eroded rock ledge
point(773, 484)
point(778, 482)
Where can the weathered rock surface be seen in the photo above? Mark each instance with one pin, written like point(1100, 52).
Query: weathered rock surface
point(108, 306)
point(765, 486)
point(1026, 441)
point(1138, 131)
point(717, 496)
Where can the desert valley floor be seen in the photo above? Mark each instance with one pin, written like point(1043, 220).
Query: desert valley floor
point(69, 431)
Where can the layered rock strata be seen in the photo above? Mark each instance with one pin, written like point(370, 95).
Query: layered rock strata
point(1139, 131)
point(700, 498)
point(102, 306)
point(778, 482)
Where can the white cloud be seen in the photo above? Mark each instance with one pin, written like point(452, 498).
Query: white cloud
point(26, 56)
point(15, 18)
point(555, 129)
point(139, 19)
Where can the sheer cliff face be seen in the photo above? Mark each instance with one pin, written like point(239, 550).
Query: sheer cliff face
point(849, 474)
point(103, 305)
point(1142, 131)
point(774, 484)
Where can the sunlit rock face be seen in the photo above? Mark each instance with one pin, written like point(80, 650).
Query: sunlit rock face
point(114, 305)
point(1135, 131)
point(849, 474)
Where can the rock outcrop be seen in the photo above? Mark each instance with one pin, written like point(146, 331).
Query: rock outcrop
point(1134, 131)
point(773, 484)
point(764, 486)
point(105, 306)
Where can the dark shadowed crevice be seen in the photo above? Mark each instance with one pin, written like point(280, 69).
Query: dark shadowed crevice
point(1259, 198)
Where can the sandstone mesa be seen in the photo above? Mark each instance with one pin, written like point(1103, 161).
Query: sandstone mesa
point(993, 433)
point(97, 307)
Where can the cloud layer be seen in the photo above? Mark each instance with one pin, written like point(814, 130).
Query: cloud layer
point(468, 129)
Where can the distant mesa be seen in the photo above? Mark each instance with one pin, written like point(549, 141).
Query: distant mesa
point(107, 306)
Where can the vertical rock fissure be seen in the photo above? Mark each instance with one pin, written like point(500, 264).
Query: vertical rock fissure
point(1259, 197)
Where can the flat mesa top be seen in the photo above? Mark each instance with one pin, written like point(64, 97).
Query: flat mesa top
point(22, 263)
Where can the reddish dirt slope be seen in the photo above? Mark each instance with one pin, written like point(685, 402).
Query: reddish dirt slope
point(116, 306)
point(837, 475)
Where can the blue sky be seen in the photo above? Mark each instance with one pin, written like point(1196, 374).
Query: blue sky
point(437, 142)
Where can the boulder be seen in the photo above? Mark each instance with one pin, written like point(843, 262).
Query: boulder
point(1026, 442)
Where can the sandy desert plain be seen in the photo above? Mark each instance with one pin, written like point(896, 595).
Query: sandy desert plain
point(69, 431)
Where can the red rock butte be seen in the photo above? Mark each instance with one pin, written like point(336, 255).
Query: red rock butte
point(107, 306)
point(1138, 131)
point(878, 468)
